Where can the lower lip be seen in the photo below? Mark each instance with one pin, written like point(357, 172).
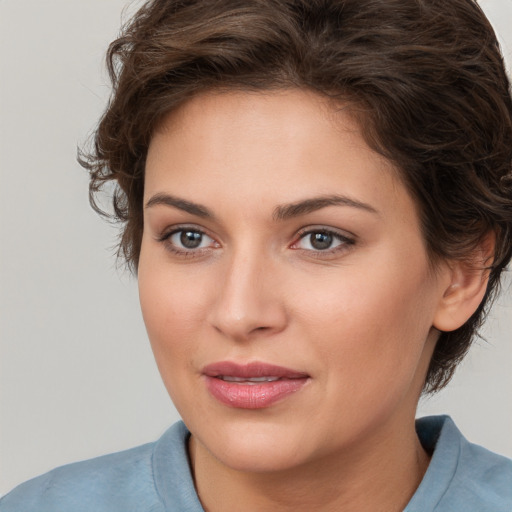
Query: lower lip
point(252, 396)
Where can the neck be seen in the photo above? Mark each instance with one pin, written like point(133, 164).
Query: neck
point(381, 476)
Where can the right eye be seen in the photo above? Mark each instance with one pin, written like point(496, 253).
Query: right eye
point(189, 239)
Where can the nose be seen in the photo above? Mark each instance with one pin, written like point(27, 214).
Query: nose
point(249, 300)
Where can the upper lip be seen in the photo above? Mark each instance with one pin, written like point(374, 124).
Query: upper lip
point(250, 370)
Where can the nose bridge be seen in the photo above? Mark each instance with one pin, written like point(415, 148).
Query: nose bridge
point(248, 300)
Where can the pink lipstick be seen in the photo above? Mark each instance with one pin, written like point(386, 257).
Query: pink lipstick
point(251, 386)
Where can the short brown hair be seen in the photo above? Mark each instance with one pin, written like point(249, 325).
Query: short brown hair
point(427, 78)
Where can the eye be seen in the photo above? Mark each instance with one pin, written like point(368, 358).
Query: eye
point(321, 240)
point(186, 240)
point(189, 239)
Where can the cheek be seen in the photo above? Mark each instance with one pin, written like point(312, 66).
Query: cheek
point(173, 316)
point(173, 308)
point(372, 325)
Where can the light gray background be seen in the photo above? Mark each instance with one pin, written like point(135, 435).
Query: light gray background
point(77, 375)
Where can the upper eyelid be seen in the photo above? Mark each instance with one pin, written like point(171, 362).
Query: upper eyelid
point(170, 230)
point(325, 229)
point(301, 233)
point(165, 239)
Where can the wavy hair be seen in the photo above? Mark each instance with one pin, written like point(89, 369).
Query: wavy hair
point(427, 78)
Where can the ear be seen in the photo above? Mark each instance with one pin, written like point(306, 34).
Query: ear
point(465, 286)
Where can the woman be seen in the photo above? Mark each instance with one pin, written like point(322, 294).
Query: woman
point(316, 199)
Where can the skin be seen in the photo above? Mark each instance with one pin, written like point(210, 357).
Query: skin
point(358, 318)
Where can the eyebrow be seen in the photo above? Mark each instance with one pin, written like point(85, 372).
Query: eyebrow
point(181, 204)
point(288, 211)
point(281, 212)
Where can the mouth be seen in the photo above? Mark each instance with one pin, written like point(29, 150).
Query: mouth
point(249, 381)
point(252, 386)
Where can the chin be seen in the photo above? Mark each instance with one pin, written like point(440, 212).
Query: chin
point(256, 447)
point(260, 457)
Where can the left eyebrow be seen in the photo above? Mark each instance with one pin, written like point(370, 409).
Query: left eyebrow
point(287, 211)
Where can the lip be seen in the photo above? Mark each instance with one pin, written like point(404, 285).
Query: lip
point(245, 394)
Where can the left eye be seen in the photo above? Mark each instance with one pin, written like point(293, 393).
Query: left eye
point(321, 240)
point(189, 239)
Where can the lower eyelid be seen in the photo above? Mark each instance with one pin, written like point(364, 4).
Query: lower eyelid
point(181, 251)
point(344, 241)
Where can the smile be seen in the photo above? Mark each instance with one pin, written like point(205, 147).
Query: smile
point(243, 380)
point(252, 386)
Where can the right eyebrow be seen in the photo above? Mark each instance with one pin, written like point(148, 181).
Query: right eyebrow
point(181, 204)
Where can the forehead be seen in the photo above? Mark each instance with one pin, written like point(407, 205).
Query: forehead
point(270, 147)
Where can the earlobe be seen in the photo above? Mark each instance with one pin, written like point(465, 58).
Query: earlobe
point(465, 289)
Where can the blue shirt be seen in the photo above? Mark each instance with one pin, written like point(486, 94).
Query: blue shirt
point(156, 477)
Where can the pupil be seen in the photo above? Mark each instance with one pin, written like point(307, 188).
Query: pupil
point(321, 240)
point(191, 239)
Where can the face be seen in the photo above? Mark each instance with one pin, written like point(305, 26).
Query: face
point(283, 280)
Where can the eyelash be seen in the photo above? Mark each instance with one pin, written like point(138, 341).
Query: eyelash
point(165, 238)
point(344, 242)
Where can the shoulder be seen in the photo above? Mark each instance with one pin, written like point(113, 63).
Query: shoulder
point(122, 481)
point(461, 475)
point(484, 477)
